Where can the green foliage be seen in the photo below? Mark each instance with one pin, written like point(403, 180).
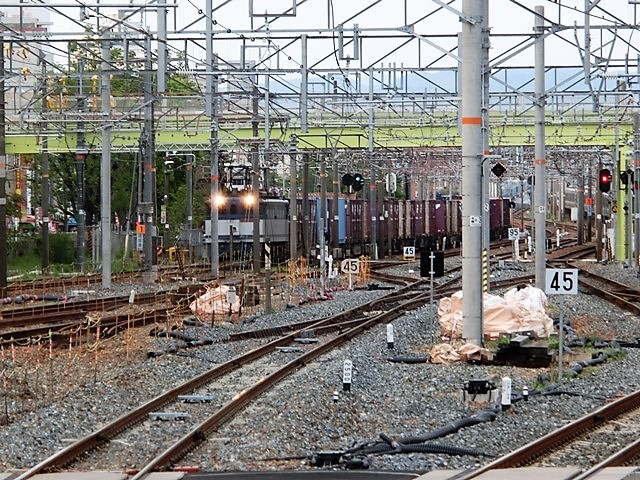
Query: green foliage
point(23, 264)
point(25, 252)
point(615, 355)
point(64, 91)
point(14, 202)
point(62, 248)
point(182, 84)
point(20, 247)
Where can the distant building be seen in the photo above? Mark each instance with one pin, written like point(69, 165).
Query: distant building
point(23, 72)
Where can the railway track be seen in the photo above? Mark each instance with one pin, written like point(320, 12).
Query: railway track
point(625, 297)
point(270, 368)
point(87, 281)
point(576, 435)
point(58, 320)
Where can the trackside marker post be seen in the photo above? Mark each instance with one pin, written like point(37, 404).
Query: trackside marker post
point(561, 281)
point(390, 336)
point(347, 375)
point(409, 254)
point(431, 273)
point(350, 266)
point(505, 393)
point(514, 236)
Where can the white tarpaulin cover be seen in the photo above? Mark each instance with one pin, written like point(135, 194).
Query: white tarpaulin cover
point(446, 353)
point(217, 298)
point(518, 311)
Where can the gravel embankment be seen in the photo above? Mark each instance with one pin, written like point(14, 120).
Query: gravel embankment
point(67, 397)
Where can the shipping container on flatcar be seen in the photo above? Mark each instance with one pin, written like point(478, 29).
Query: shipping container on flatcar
point(417, 218)
point(329, 222)
point(358, 223)
point(506, 215)
point(403, 229)
point(499, 217)
point(437, 217)
point(306, 225)
point(389, 226)
point(454, 217)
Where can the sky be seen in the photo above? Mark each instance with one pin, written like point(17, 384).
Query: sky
point(273, 41)
point(510, 22)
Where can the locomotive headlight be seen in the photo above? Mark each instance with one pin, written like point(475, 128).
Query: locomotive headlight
point(219, 200)
point(249, 199)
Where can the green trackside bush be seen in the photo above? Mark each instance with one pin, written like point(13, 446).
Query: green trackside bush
point(21, 246)
point(62, 248)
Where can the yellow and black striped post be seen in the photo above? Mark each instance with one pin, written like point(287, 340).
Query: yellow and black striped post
point(485, 271)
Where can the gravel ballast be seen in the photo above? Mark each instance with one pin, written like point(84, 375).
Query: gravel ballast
point(73, 396)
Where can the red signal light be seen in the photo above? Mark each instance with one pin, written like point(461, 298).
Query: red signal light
point(604, 182)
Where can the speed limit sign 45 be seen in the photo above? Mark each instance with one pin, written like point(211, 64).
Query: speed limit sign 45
point(350, 265)
point(409, 253)
point(561, 281)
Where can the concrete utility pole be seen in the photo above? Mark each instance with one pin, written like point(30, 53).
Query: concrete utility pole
point(628, 214)
point(323, 219)
point(211, 88)
point(305, 206)
point(293, 201)
point(618, 166)
point(45, 171)
point(580, 204)
point(335, 227)
point(147, 207)
point(255, 178)
point(161, 83)
point(472, 155)
point(599, 223)
point(540, 194)
point(81, 156)
point(105, 166)
point(486, 171)
point(304, 86)
point(372, 183)
point(631, 185)
point(3, 177)
point(189, 197)
point(590, 196)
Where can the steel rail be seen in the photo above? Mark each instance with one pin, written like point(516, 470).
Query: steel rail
point(38, 315)
point(199, 434)
point(531, 451)
point(619, 458)
point(618, 294)
point(104, 434)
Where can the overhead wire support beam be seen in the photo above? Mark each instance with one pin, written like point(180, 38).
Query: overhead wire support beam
point(463, 16)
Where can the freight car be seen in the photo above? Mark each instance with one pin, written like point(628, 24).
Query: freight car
point(422, 223)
